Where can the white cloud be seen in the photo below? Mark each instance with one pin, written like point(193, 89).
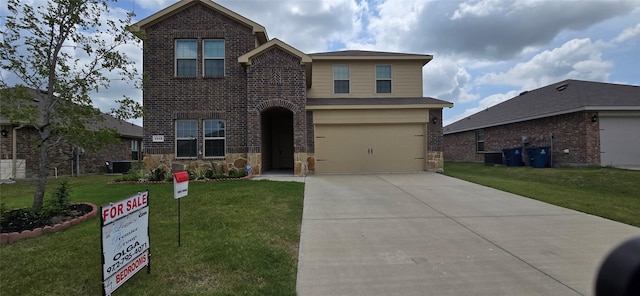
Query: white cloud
point(483, 104)
point(446, 80)
point(628, 33)
point(576, 59)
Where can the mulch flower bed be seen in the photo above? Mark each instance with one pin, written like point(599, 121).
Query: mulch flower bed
point(20, 224)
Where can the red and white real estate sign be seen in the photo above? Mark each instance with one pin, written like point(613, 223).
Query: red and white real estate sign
point(125, 240)
point(124, 207)
point(180, 184)
point(114, 282)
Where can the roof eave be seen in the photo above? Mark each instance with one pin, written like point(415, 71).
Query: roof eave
point(377, 106)
point(245, 59)
point(425, 58)
point(165, 13)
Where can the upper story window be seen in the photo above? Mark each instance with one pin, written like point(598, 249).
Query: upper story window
point(383, 79)
point(186, 138)
point(214, 138)
point(213, 54)
point(186, 56)
point(341, 79)
point(480, 140)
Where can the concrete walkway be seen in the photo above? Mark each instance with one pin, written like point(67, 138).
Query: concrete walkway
point(429, 234)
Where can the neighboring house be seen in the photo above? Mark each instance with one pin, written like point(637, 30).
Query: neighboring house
point(219, 90)
point(19, 154)
point(583, 122)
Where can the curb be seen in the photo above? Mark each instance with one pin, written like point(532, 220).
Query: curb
point(7, 238)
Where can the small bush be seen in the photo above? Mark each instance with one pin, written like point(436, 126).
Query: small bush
point(198, 173)
point(168, 177)
point(234, 173)
point(59, 203)
point(157, 174)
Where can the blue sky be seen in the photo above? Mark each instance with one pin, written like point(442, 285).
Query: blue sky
point(485, 51)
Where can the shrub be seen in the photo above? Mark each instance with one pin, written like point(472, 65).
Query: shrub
point(157, 174)
point(168, 177)
point(234, 173)
point(198, 172)
point(59, 202)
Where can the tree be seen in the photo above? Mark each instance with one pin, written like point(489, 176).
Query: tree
point(65, 49)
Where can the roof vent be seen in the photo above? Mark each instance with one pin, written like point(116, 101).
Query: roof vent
point(562, 87)
point(524, 92)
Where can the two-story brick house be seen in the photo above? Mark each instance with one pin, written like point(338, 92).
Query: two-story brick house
point(219, 90)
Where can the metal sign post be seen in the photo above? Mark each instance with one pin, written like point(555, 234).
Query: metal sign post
point(180, 189)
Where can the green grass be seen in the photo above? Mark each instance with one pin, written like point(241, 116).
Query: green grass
point(602, 191)
point(237, 237)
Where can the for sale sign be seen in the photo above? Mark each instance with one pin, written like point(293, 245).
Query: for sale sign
point(125, 240)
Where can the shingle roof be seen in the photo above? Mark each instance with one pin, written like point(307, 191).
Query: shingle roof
point(560, 98)
point(124, 128)
point(376, 101)
point(351, 55)
point(356, 53)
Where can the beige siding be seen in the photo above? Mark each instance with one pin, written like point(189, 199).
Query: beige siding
point(406, 79)
point(370, 116)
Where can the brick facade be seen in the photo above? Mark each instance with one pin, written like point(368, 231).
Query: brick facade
point(276, 79)
point(168, 98)
point(574, 131)
point(263, 87)
point(273, 79)
point(62, 161)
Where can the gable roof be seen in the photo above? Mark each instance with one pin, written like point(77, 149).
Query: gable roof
point(560, 98)
point(245, 59)
point(370, 55)
point(124, 128)
point(161, 15)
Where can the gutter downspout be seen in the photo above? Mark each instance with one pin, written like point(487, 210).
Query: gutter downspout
point(14, 152)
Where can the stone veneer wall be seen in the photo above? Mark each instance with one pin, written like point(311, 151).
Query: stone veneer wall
point(573, 131)
point(435, 156)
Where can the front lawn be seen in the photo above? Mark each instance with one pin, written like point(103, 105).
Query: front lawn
point(237, 237)
point(602, 191)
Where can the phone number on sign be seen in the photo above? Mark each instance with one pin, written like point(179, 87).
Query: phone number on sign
point(123, 257)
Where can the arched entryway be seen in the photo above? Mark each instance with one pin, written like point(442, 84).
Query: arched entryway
point(277, 140)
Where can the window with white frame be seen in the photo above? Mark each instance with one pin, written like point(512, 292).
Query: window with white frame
point(480, 140)
point(214, 138)
point(186, 56)
point(341, 79)
point(134, 150)
point(213, 54)
point(383, 79)
point(186, 138)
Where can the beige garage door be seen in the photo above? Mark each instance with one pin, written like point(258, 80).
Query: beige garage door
point(361, 148)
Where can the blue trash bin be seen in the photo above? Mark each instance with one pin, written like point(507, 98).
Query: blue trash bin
point(512, 156)
point(538, 156)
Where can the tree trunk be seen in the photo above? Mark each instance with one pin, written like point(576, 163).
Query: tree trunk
point(38, 196)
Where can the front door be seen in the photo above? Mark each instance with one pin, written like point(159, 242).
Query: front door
point(277, 139)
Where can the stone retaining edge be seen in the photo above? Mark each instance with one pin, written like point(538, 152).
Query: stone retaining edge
point(7, 238)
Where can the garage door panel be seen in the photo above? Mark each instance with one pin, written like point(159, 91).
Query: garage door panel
point(619, 140)
point(370, 148)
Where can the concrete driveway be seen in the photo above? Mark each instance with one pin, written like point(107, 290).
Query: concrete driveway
point(429, 234)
